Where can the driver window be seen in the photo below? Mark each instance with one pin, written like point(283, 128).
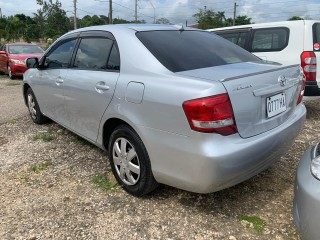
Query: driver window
point(60, 57)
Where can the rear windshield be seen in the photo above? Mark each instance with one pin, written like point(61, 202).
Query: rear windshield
point(186, 50)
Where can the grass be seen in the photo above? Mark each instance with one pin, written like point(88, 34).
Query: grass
point(44, 137)
point(102, 181)
point(39, 167)
point(13, 121)
point(257, 223)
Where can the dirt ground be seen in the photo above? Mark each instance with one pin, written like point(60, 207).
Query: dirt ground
point(47, 190)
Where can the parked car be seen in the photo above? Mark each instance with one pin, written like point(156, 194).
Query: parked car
point(182, 107)
point(288, 42)
point(13, 57)
point(306, 204)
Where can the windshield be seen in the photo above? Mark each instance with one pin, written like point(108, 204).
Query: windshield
point(25, 49)
point(186, 50)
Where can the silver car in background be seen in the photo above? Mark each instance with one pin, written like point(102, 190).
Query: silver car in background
point(176, 106)
point(306, 205)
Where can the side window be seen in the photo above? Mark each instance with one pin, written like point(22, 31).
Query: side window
point(270, 40)
point(93, 53)
point(4, 48)
point(60, 57)
point(114, 59)
point(238, 38)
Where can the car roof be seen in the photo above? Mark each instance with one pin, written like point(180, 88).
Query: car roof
point(268, 24)
point(135, 27)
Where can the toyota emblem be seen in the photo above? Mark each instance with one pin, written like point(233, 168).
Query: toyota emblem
point(282, 80)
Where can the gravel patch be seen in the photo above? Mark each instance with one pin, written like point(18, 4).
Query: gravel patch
point(47, 192)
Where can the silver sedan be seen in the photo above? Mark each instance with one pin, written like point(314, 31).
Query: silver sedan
point(176, 106)
point(306, 204)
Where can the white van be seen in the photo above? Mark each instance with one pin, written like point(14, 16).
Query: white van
point(288, 42)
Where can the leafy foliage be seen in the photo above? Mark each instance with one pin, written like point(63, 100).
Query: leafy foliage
point(294, 18)
point(207, 18)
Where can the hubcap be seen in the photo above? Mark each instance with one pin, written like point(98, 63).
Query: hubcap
point(32, 106)
point(126, 161)
point(9, 71)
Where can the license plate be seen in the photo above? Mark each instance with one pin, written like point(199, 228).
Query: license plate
point(276, 104)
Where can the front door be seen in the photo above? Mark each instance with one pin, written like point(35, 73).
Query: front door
point(51, 82)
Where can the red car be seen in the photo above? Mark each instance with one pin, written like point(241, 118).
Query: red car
point(13, 57)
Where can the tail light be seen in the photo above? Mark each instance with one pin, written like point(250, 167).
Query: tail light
point(303, 84)
point(309, 65)
point(211, 115)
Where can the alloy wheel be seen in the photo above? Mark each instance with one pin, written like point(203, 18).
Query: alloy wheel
point(126, 161)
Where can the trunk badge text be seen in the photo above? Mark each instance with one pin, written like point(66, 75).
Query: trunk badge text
point(282, 80)
point(242, 87)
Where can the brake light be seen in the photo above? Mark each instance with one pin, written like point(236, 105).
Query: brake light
point(309, 65)
point(211, 114)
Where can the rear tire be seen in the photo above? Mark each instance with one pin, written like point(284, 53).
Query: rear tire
point(130, 162)
point(34, 109)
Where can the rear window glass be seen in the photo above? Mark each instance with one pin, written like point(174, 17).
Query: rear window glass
point(239, 38)
point(186, 50)
point(316, 36)
point(270, 40)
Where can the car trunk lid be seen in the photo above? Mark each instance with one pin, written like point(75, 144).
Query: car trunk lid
point(263, 96)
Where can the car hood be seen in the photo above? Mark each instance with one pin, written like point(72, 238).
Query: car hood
point(24, 56)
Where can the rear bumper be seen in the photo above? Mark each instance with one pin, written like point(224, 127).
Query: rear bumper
point(306, 202)
point(311, 89)
point(205, 163)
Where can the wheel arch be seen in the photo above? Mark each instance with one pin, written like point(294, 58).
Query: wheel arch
point(109, 127)
point(26, 86)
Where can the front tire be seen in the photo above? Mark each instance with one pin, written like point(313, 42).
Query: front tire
point(130, 162)
point(10, 73)
point(34, 109)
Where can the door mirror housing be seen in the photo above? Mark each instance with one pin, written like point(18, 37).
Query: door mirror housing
point(32, 62)
point(3, 53)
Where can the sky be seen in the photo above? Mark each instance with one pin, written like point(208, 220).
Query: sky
point(177, 11)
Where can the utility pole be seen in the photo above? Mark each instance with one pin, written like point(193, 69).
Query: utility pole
point(154, 12)
point(0, 13)
point(110, 11)
point(136, 11)
point(234, 13)
point(75, 13)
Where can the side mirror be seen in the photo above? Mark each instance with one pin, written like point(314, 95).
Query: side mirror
point(2, 52)
point(32, 62)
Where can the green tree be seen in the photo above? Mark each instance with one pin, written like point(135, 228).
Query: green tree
point(294, 18)
point(56, 21)
point(162, 21)
point(240, 20)
point(207, 19)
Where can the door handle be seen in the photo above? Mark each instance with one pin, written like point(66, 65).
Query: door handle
point(101, 87)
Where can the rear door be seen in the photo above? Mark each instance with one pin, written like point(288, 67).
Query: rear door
point(91, 81)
